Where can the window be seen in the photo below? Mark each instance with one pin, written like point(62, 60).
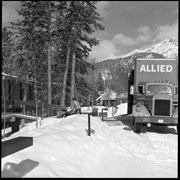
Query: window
point(159, 89)
point(21, 91)
point(176, 90)
point(30, 93)
point(141, 89)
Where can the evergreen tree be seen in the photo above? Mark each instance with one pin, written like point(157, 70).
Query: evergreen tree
point(7, 51)
point(82, 20)
point(100, 82)
point(50, 36)
point(36, 36)
point(76, 21)
point(65, 30)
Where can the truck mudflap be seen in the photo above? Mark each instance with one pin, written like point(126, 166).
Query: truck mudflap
point(156, 120)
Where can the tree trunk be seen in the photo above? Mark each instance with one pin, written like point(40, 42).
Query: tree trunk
point(65, 77)
point(49, 60)
point(73, 77)
point(49, 75)
point(24, 106)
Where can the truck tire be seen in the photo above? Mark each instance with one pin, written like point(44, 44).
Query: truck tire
point(138, 128)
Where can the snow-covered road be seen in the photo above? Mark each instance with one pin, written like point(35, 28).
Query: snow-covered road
point(136, 155)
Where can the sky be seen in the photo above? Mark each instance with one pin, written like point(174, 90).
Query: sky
point(129, 25)
point(62, 148)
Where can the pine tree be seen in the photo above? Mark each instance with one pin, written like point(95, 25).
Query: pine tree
point(66, 33)
point(100, 82)
point(7, 51)
point(25, 47)
point(75, 31)
point(83, 21)
point(44, 36)
point(51, 36)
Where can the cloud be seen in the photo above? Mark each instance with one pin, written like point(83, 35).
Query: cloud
point(105, 50)
point(108, 49)
point(132, 6)
point(176, 11)
point(159, 33)
point(145, 34)
point(100, 35)
point(166, 31)
point(123, 40)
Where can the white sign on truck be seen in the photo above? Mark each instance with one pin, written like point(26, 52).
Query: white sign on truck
point(157, 68)
point(151, 70)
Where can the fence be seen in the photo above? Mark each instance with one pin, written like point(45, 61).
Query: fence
point(29, 108)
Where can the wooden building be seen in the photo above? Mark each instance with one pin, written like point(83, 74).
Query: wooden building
point(111, 98)
point(12, 89)
point(12, 95)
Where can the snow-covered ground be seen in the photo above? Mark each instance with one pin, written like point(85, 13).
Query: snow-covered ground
point(63, 148)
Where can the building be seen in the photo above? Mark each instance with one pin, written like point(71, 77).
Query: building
point(12, 89)
point(111, 98)
point(14, 102)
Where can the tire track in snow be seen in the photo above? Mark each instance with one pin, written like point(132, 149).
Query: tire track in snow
point(133, 155)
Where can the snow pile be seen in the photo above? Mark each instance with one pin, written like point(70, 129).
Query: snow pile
point(113, 111)
point(63, 149)
point(122, 109)
point(62, 146)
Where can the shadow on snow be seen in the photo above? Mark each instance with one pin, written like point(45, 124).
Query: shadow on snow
point(128, 121)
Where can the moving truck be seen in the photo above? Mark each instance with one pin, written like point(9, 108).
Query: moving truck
point(153, 93)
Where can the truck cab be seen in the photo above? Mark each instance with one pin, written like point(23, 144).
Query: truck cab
point(153, 94)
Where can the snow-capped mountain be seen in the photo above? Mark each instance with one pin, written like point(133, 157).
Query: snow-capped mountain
point(136, 51)
point(114, 71)
point(168, 48)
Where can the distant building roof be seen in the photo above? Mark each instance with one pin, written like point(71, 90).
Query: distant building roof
point(8, 75)
point(123, 95)
point(4, 75)
point(111, 95)
point(108, 95)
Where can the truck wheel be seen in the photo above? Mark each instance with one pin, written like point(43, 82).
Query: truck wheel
point(138, 128)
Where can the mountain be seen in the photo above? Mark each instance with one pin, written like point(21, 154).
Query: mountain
point(168, 48)
point(115, 71)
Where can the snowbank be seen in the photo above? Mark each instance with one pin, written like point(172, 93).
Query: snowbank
point(63, 149)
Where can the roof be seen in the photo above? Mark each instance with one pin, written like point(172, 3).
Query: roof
point(108, 95)
point(8, 75)
point(123, 95)
point(4, 75)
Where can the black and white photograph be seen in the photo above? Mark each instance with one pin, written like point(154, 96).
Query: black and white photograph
point(89, 89)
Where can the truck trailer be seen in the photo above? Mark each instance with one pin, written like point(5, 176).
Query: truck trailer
point(153, 92)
